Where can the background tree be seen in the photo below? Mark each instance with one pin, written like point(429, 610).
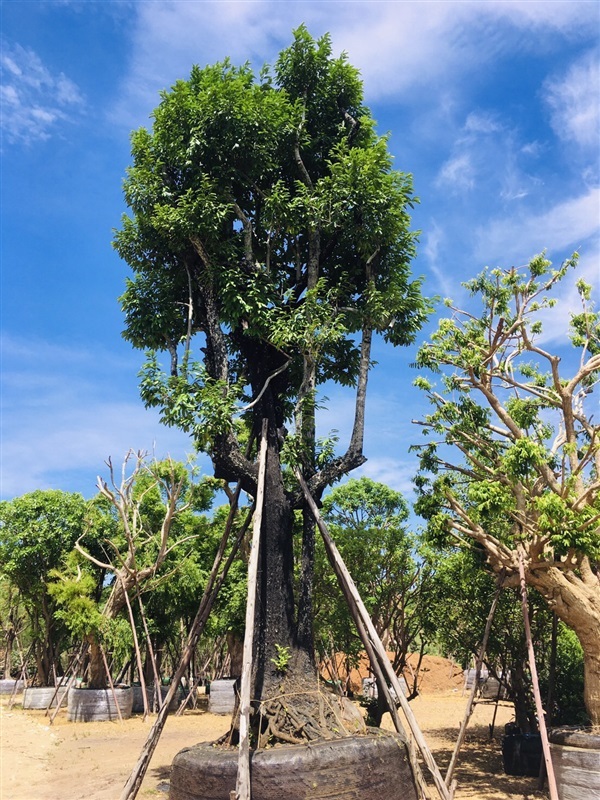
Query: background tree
point(269, 240)
point(13, 624)
point(37, 531)
point(461, 591)
point(514, 454)
point(368, 521)
point(149, 512)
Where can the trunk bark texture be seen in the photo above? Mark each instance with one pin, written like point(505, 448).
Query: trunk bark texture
point(576, 600)
point(275, 614)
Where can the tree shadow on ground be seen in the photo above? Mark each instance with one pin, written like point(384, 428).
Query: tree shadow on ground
point(480, 770)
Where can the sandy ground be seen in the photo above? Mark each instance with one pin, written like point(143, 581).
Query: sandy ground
point(91, 761)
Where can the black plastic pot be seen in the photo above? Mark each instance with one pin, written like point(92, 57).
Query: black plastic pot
point(522, 753)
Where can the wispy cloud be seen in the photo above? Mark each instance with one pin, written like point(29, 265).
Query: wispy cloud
point(567, 225)
point(399, 47)
point(574, 102)
point(393, 472)
point(61, 415)
point(34, 100)
point(458, 173)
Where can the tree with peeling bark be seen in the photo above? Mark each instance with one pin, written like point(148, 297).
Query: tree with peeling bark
point(512, 464)
point(269, 241)
point(153, 508)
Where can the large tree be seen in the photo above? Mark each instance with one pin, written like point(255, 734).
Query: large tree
point(513, 457)
point(37, 531)
point(269, 239)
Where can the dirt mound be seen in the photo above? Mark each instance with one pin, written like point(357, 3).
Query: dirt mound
point(435, 674)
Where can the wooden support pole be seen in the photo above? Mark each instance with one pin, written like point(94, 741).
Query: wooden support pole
point(75, 665)
point(58, 685)
point(536, 687)
point(242, 788)
point(345, 579)
point(150, 649)
point(110, 683)
point(471, 700)
point(138, 654)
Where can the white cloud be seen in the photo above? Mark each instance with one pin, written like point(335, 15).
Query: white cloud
point(34, 100)
point(394, 473)
point(458, 173)
point(399, 47)
point(565, 226)
point(434, 244)
point(574, 102)
point(482, 122)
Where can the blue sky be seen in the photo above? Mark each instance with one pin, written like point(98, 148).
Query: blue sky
point(492, 106)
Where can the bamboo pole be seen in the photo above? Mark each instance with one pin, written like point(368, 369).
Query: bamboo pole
point(345, 579)
point(138, 654)
point(550, 695)
point(214, 583)
point(58, 685)
point(242, 788)
point(71, 681)
point(536, 687)
point(110, 683)
point(23, 673)
point(471, 701)
point(157, 692)
point(383, 685)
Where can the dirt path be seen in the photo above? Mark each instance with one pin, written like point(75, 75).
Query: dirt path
point(91, 761)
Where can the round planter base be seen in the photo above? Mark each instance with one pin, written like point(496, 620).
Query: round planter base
point(370, 767)
point(7, 686)
point(98, 705)
point(43, 697)
point(138, 698)
point(576, 760)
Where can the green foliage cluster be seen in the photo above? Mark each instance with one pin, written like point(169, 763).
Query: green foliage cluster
point(368, 522)
point(508, 434)
point(266, 220)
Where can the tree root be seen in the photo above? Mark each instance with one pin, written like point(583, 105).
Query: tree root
point(300, 717)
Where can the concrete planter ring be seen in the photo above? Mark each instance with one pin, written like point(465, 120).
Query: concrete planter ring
point(98, 705)
point(43, 696)
point(138, 698)
point(576, 760)
point(11, 685)
point(370, 767)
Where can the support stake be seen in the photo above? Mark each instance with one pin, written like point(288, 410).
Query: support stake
point(345, 580)
point(536, 687)
point(242, 789)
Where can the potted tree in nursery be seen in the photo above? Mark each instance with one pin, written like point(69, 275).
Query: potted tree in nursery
point(152, 510)
point(269, 241)
point(512, 461)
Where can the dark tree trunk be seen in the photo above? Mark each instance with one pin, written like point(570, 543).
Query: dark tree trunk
point(275, 614)
point(305, 592)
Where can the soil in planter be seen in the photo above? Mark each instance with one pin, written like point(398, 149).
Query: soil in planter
point(369, 767)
